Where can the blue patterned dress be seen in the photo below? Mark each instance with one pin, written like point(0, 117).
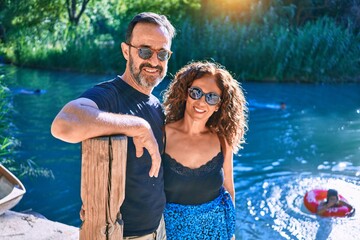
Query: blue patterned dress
point(212, 219)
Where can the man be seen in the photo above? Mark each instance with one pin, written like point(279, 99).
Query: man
point(126, 106)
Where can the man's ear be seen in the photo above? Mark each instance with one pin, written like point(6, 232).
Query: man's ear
point(125, 50)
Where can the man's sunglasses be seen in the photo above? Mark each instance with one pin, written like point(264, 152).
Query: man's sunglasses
point(211, 98)
point(146, 53)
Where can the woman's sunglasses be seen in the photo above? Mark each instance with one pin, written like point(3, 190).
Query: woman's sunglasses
point(210, 98)
point(146, 53)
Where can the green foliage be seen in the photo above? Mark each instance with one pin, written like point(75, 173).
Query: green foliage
point(68, 48)
point(19, 14)
point(295, 12)
point(176, 10)
point(271, 40)
point(4, 108)
point(319, 51)
point(28, 168)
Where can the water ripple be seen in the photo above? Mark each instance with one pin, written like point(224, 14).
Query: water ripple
point(275, 208)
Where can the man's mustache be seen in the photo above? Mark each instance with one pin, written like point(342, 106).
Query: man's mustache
point(150, 66)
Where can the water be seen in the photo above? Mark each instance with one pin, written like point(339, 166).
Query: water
point(313, 143)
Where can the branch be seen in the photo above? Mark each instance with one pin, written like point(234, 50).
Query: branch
point(68, 9)
point(83, 7)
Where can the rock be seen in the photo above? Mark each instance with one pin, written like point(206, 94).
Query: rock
point(19, 226)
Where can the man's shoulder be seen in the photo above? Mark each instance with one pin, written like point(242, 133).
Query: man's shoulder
point(114, 81)
point(115, 86)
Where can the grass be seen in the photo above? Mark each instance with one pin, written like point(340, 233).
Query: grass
point(316, 52)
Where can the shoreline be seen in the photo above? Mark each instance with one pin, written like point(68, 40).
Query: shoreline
point(20, 226)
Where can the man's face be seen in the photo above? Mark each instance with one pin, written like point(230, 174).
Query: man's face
point(148, 73)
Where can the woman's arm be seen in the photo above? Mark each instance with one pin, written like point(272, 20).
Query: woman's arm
point(228, 169)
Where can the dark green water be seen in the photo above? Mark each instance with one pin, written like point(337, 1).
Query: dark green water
point(313, 143)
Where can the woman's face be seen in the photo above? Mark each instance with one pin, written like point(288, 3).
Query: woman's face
point(200, 109)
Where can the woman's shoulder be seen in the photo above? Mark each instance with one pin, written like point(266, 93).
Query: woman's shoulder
point(172, 127)
point(172, 124)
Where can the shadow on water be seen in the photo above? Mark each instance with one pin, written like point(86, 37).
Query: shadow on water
point(324, 230)
point(312, 143)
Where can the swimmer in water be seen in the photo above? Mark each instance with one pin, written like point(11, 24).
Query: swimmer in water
point(30, 92)
point(256, 105)
point(332, 201)
point(282, 105)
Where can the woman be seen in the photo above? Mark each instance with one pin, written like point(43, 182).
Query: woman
point(206, 118)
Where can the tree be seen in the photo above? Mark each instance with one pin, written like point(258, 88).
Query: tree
point(16, 15)
point(71, 6)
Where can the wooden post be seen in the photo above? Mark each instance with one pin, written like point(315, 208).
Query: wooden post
point(103, 173)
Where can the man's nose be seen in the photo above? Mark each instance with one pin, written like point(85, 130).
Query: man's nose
point(154, 60)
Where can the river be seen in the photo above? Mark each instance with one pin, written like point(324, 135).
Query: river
point(313, 143)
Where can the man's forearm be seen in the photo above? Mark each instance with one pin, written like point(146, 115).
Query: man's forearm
point(80, 120)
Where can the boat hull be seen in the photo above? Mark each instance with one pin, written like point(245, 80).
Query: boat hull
point(11, 190)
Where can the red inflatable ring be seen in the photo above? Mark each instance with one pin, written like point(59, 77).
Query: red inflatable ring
point(313, 198)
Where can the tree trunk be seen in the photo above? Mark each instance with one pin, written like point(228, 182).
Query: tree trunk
point(71, 6)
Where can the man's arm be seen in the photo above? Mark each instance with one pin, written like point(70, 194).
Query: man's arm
point(81, 119)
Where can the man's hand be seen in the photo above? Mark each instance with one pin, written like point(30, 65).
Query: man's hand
point(145, 139)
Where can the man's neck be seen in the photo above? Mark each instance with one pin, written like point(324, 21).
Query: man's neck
point(131, 81)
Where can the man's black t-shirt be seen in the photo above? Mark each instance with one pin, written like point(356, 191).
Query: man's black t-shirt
point(144, 196)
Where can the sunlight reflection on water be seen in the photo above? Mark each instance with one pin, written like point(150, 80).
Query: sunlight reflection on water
point(313, 143)
point(275, 208)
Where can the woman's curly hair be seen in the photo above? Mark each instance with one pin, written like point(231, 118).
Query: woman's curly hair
point(230, 121)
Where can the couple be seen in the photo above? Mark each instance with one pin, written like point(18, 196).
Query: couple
point(184, 175)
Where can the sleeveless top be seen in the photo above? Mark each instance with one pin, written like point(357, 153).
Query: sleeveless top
point(184, 185)
point(144, 196)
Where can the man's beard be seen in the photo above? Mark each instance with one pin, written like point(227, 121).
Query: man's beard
point(144, 80)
